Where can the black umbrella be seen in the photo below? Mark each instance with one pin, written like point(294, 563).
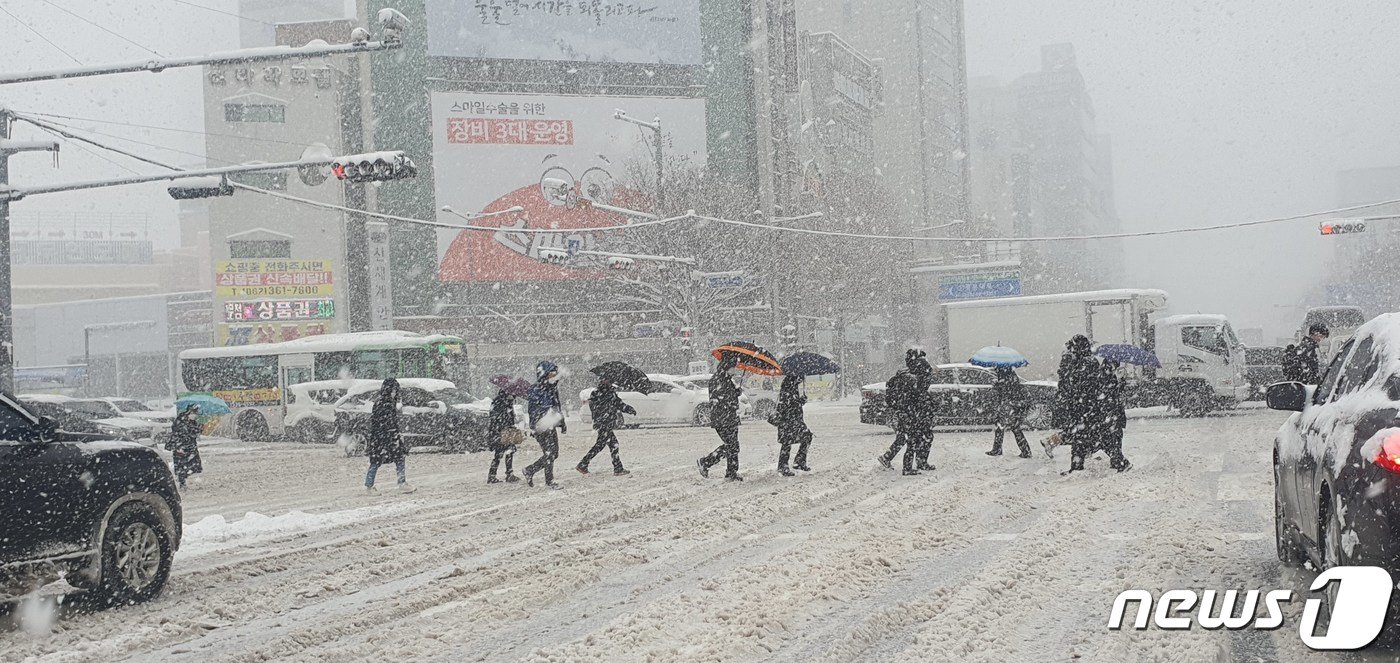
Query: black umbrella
point(803, 364)
point(749, 358)
point(622, 374)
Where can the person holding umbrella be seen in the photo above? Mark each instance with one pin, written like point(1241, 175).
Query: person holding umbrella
point(789, 417)
point(1008, 394)
point(607, 408)
point(724, 401)
point(1110, 417)
point(501, 433)
point(547, 420)
point(183, 443)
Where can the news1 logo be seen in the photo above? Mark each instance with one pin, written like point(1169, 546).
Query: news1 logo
point(1358, 609)
point(1341, 227)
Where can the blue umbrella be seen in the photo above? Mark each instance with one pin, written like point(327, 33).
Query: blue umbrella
point(996, 356)
point(803, 364)
point(208, 405)
point(1128, 354)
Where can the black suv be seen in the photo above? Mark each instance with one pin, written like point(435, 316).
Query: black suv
point(102, 514)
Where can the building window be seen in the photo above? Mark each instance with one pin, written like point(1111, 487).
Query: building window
point(262, 248)
point(255, 113)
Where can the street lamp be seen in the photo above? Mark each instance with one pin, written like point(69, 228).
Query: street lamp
point(654, 125)
point(87, 349)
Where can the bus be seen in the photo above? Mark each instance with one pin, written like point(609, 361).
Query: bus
point(253, 379)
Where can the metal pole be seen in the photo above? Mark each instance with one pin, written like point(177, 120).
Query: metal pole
point(87, 361)
point(7, 355)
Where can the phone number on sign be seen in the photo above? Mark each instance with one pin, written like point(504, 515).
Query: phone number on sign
point(275, 291)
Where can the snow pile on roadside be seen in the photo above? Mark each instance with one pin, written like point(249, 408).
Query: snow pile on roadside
point(214, 533)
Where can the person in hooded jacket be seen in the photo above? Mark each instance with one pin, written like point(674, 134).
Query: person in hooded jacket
point(385, 444)
point(1110, 417)
point(502, 419)
point(724, 418)
point(1009, 399)
point(183, 443)
point(546, 420)
point(909, 401)
point(1305, 364)
point(792, 426)
point(607, 409)
point(1076, 398)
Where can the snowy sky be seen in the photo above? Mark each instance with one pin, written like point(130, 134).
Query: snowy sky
point(1218, 111)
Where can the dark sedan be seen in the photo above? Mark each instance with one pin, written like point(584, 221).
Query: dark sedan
point(433, 413)
point(1337, 458)
point(962, 396)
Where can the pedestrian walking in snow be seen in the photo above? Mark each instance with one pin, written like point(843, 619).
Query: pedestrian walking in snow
point(546, 420)
point(607, 408)
point(792, 426)
point(724, 418)
point(502, 435)
point(910, 403)
point(183, 443)
point(1009, 399)
point(385, 444)
point(1303, 364)
point(1111, 417)
point(1075, 398)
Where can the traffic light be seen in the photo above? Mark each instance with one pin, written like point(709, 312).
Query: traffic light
point(620, 263)
point(554, 256)
point(1341, 227)
point(374, 167)
point(200, 187)
point(788, 335)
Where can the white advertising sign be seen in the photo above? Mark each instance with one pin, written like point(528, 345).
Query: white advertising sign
point(491, 152)
point(633, 31)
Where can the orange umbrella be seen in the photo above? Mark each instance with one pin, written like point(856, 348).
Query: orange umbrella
point(749, 358)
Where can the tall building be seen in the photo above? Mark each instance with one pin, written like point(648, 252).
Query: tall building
point(921, 140)
point(1040, 168)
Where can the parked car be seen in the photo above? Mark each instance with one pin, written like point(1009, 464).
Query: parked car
point(668, 400)
point(760, 397)
point(433, 413)
point(1263, 366)
point(1336, 455)
point(962, 396)
point(102, 514)
point(134, 409)
point(68, 411)
point(309, 413)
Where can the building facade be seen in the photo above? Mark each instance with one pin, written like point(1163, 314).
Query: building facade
point(1363, 270)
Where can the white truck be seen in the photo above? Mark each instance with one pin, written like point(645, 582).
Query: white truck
point(1202, 360)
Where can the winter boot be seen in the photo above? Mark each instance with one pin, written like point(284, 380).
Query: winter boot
point(620, 473)
point(511, 478)
point(406, 489)
point(492, 479)
point(736, 478)
point(803, 467)
point(786, 472)
point(885, 462)
point(553, 486)
point(926, 467)
point(529, 480)
point(704, 471)
point(371, 491)
point(994, 452)
point(582, 470)
point(910, 473)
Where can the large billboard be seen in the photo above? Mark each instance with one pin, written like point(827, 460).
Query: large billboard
point(632, 31)
point(267, 300)
point(491, 152)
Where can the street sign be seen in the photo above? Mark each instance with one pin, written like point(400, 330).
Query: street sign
point(720, 280)
point(979, 285)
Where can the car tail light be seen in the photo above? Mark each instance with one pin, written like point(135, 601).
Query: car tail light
point(1389, 456)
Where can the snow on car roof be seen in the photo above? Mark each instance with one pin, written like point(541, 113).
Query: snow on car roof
point(46, 398)
point(426, 384)
point(1125, 293)
point(1212, 319)
point(348, 383)
point(322, 343)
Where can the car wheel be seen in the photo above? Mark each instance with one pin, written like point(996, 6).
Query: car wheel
point(1330, 549)
point(136, 556)
point(252, 427)
point(1038, 417)
point(309, 431)
point(702, 415)
point(1288, 551)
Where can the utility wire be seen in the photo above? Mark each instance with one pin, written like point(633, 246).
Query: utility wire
point(170, 129)
point(66, 129)
point(747, 224)
point(41, 35)
point(220, 11)
point(106, 29)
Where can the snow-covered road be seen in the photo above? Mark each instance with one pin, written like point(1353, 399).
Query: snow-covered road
point(986, 559)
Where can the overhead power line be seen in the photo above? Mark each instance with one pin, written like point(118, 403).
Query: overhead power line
point(170, 129)
point(41, 35)
point(106, 29)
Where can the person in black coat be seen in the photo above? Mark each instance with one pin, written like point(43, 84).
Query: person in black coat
point(1305, 364)
point(385, 444)
point(502, 419)
point(1009, 399)
point(792, 426)
point(1110, 417)
point(1076, 398)
point(183, 443)
point(607, 409)
point(724, 418)
point(911, 407)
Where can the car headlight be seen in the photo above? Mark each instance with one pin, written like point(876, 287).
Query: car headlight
point(110, 430)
